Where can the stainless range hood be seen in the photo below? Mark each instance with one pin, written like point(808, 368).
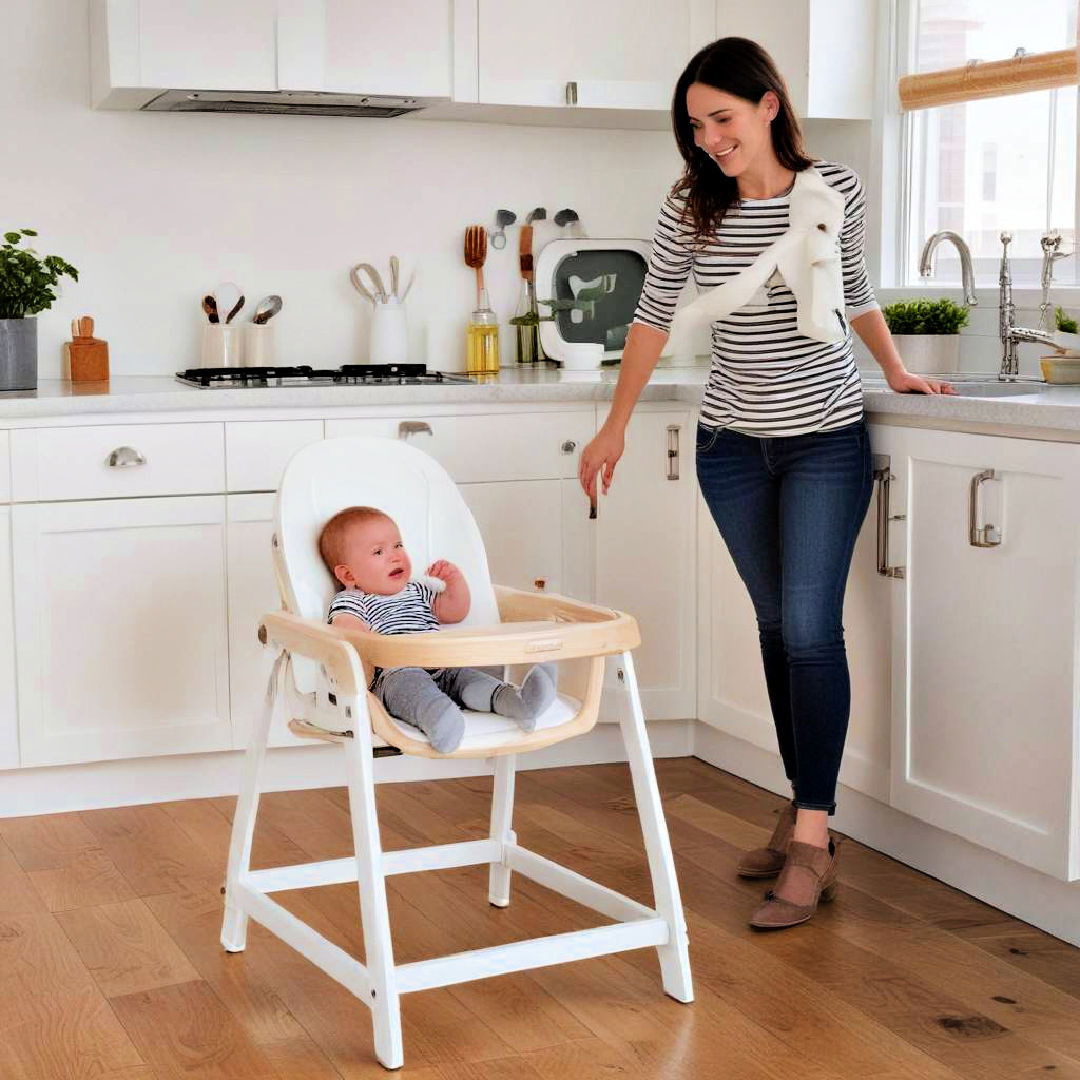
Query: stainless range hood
point(282, 101)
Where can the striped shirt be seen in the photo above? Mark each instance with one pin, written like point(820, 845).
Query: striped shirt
point(406, 612)
point(766, 378)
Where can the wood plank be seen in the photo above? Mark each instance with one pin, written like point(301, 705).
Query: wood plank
point(183, 1030)
point(125, 948)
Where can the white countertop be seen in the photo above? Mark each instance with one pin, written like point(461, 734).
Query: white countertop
point(1038, 406)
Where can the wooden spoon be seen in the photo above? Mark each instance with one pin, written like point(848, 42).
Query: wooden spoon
point(209, 305)
point(475, 253)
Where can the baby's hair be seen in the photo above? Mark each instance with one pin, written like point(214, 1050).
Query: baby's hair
point(332, 537)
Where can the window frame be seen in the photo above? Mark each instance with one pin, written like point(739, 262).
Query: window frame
point(894, 146)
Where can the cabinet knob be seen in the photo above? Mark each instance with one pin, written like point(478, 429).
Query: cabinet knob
point(571, 93)
point(412, 427)
point(125, 457)
point(569, 446)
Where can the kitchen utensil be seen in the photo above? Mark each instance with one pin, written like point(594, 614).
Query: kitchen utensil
point(498, 234)
point(226, 296)
point(569, 222)
point(527, 320)
point(539, 214)
point(395, 276)
point(475, 254)
point(210, 307)
point(235, 308)
point(373, 287)
point(268, 307)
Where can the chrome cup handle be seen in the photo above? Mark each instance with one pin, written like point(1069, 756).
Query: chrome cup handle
point(125, 457)
point(413, 427)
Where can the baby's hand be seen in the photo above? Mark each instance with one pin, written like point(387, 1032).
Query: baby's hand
point(445, 571)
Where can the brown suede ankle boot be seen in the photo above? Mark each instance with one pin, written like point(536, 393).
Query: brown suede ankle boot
point(768, 861)
point(809, 876)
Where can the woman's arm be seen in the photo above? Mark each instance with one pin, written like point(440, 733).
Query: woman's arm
point(642, 350)
point(874, 331)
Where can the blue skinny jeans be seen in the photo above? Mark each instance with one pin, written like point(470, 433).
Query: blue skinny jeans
point(789, 510)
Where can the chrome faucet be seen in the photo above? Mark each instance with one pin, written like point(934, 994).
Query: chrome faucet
point(967, 275)
point(1011, 335)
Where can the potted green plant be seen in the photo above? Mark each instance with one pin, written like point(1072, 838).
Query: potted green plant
point(27, 285)
point(926, 333)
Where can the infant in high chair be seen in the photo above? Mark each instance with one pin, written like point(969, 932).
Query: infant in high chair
point(361, 547)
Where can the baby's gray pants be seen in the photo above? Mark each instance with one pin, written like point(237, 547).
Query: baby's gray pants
point(416, 695)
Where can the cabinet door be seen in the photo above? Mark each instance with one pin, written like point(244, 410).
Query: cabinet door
point(645, 556)
point(614, 58)
point(823, 48)
point(9, 730)
point(344, 46)
point(200, 44)
point(985, 737)
point(252, 593)
point(522, 524)
point(120, 616)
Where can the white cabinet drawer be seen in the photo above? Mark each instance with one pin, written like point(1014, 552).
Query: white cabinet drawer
point(5, 468)
point(489, 448)
point(148, 459)
point(257, 452)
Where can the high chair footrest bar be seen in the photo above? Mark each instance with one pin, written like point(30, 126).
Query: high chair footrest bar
point(534, 953)
point(336, 962)
point(404, 861)
point(575, 886)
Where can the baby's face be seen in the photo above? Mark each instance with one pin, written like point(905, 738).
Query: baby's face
point(374, 559)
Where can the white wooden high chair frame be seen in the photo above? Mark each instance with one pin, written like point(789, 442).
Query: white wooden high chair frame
point(541, 626)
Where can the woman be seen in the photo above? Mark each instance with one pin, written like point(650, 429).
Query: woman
point(783, 457)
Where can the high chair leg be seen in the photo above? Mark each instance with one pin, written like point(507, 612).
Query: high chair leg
point(379, 954)
point(502, 814)
point(674, 955)
point(234, 925)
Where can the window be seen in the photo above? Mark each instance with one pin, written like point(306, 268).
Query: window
point(1000, 164)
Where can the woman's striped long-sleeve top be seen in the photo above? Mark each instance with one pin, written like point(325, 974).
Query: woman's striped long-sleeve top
point(767, 379)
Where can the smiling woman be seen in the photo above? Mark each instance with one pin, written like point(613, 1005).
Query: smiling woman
point(783, 455)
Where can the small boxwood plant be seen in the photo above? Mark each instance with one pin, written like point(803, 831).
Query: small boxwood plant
point(926, 317)
point(1065, 322)
point(28, 280)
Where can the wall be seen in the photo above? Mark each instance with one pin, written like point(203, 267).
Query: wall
point(154, 210)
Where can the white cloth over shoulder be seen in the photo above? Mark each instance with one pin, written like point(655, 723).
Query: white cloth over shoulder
point(808, 258)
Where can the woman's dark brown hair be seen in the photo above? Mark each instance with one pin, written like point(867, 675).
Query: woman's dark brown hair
point(744, 69)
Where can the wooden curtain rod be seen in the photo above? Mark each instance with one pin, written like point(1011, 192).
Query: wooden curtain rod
point(1021, 74)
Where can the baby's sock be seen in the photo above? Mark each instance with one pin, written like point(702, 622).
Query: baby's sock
point(538, 689)
point(525, 705)
point(444, 726)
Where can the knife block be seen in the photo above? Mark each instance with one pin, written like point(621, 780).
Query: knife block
point(86, 358)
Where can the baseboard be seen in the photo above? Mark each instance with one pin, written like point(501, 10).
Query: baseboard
point(131, 782)
point(1043, 901)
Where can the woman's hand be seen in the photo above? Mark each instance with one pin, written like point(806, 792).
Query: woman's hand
point(600, 456)
point(905, 382)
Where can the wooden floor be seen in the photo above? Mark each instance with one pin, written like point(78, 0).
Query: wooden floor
point(110, 965)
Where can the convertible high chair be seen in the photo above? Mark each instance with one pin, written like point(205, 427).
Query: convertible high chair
point(326, 672)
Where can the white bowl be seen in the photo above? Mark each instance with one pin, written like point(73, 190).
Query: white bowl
point(580, 355)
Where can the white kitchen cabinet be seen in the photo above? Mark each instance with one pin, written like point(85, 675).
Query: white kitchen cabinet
point(120, 616)
point(487, 447)
point(253, 592)
point(257, 452)
point(9, 726)
point(141, 47)
point(823, 48)
point(600, 55)
point(645, 555)
point(985, 704)
point(5, 468)
point(732, 695)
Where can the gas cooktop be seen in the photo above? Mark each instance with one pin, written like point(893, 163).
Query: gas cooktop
point(348, 375)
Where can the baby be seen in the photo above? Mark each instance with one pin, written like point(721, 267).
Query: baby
point(362, 548)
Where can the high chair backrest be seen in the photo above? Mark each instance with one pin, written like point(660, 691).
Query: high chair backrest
point(410, 486)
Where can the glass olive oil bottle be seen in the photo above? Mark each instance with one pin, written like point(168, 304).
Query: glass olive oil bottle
point(482, 340)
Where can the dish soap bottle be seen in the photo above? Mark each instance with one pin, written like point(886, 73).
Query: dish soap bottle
point(482, 340)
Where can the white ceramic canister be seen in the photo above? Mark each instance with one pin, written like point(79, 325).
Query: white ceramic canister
point(259, 348)
point(222, 346)
point(389, 342)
